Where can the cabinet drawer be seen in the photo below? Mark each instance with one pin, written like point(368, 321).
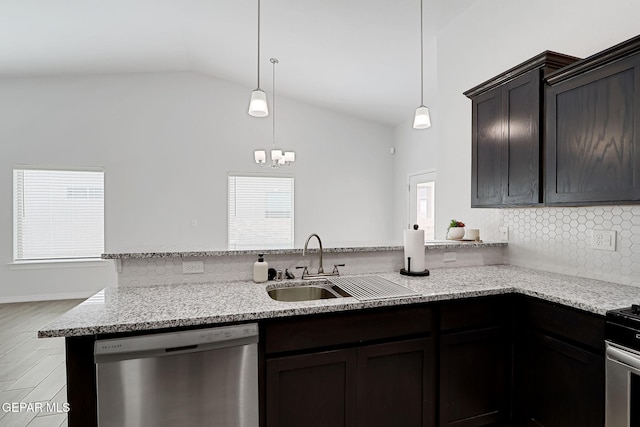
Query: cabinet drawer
point(306, 332)
point(475, 313)
point(576, 325)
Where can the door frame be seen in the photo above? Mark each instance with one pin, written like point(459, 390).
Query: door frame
point(429, 175)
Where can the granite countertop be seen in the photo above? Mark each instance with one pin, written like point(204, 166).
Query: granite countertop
point(436, 244)
point(148, 308)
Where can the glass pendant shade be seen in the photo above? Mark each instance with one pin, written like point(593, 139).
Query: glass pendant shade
point(260, 156)
point(289, 156)
point(258, 105)
point(422, 119)
point(276, 155)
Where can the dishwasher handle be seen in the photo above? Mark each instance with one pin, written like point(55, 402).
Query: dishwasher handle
point(183, 342)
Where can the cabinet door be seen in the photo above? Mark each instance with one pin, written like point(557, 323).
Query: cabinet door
point(593, 140)
point(521, 140)
point(475, 372)
point(558, 384)
point(486, 149)
point(312, 390)
point(395, 384)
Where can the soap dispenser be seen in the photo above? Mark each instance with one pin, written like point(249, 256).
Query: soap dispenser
point(260, 270)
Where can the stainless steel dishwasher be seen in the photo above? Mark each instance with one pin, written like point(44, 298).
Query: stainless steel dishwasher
point(203, 377)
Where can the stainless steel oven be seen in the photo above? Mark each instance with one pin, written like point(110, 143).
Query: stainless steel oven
point(622, 336)
point(623, 386)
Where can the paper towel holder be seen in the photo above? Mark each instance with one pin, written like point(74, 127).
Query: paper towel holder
point(408, 272)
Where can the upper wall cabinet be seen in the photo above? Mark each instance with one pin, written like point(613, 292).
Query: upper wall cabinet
point(593, 134)
point(507, 133)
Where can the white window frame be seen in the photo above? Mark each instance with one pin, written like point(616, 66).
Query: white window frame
point(231, 246)
point(53, 262)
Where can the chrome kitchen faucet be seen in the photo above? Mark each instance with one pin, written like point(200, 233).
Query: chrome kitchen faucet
point(320, 273)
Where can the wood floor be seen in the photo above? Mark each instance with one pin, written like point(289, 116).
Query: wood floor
point(31, 369)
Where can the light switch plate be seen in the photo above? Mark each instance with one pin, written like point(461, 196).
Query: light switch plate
point(604, 240)
point(450, 257)
point(504, 233)
point(192, 267)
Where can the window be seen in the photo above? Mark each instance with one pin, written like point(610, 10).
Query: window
point(57, 214)
point(260, 212)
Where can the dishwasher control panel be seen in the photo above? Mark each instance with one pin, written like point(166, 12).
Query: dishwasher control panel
point(175, 340)
point(228, 333)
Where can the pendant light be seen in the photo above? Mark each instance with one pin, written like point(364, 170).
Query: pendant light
point(258, 104)
point(278, 157)
point(421, 119)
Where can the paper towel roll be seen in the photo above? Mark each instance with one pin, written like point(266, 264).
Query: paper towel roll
point(414, 248)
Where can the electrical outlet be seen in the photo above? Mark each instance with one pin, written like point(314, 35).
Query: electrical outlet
point(604, 240)
point(192, 267)
point(449, 257)
point(504, 233)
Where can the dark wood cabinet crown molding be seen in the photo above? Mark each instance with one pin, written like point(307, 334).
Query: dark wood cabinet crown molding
point(548, 60)
point(617, 52)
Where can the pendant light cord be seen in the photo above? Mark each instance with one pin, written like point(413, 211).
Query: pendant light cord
point(274, 61)
point(421, 56)
point(259, 44)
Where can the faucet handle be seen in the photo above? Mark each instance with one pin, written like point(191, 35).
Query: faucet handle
point(305, 272)
point(335, 268)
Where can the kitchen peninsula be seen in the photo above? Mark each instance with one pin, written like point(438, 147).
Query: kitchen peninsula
point(473, 308)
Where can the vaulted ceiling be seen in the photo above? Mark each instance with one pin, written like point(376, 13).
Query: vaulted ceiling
point(360, 57)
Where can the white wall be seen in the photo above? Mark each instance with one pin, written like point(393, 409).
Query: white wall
point(490, 37)
point(167, 142)
point(416, 149)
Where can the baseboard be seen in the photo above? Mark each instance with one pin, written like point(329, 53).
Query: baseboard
point(46, 297)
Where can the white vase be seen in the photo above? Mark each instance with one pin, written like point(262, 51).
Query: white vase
point(455, 233)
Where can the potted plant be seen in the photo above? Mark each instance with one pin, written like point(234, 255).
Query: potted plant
point(455, 230)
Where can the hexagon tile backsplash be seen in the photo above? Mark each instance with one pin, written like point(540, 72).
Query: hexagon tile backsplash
point(559, 240)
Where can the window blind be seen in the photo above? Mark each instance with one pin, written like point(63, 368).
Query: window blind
point(58, 214)
point(261, 214)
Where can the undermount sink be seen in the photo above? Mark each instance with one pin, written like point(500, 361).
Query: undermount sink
point(306, 292)
point(362, 288)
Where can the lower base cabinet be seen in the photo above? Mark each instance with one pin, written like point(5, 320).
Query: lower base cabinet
point(475, 373)
point(387, 384)
point(559, 384)
point(490, 361)
point(475, 362)
point(395, 384)
point(315, 389)
point(559, 366)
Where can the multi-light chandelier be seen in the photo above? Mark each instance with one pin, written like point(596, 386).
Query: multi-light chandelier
point(278, 157)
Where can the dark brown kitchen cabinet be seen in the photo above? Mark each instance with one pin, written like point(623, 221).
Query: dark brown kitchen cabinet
point(562, 384)
point(368, 368)
point(377, 385)
point(559, 366)
point(593, 132)
point(507, 119)
point(395, 383)
point(317, 389)
point(475, 362)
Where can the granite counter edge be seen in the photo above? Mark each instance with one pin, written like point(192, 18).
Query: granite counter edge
point(193, 254)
